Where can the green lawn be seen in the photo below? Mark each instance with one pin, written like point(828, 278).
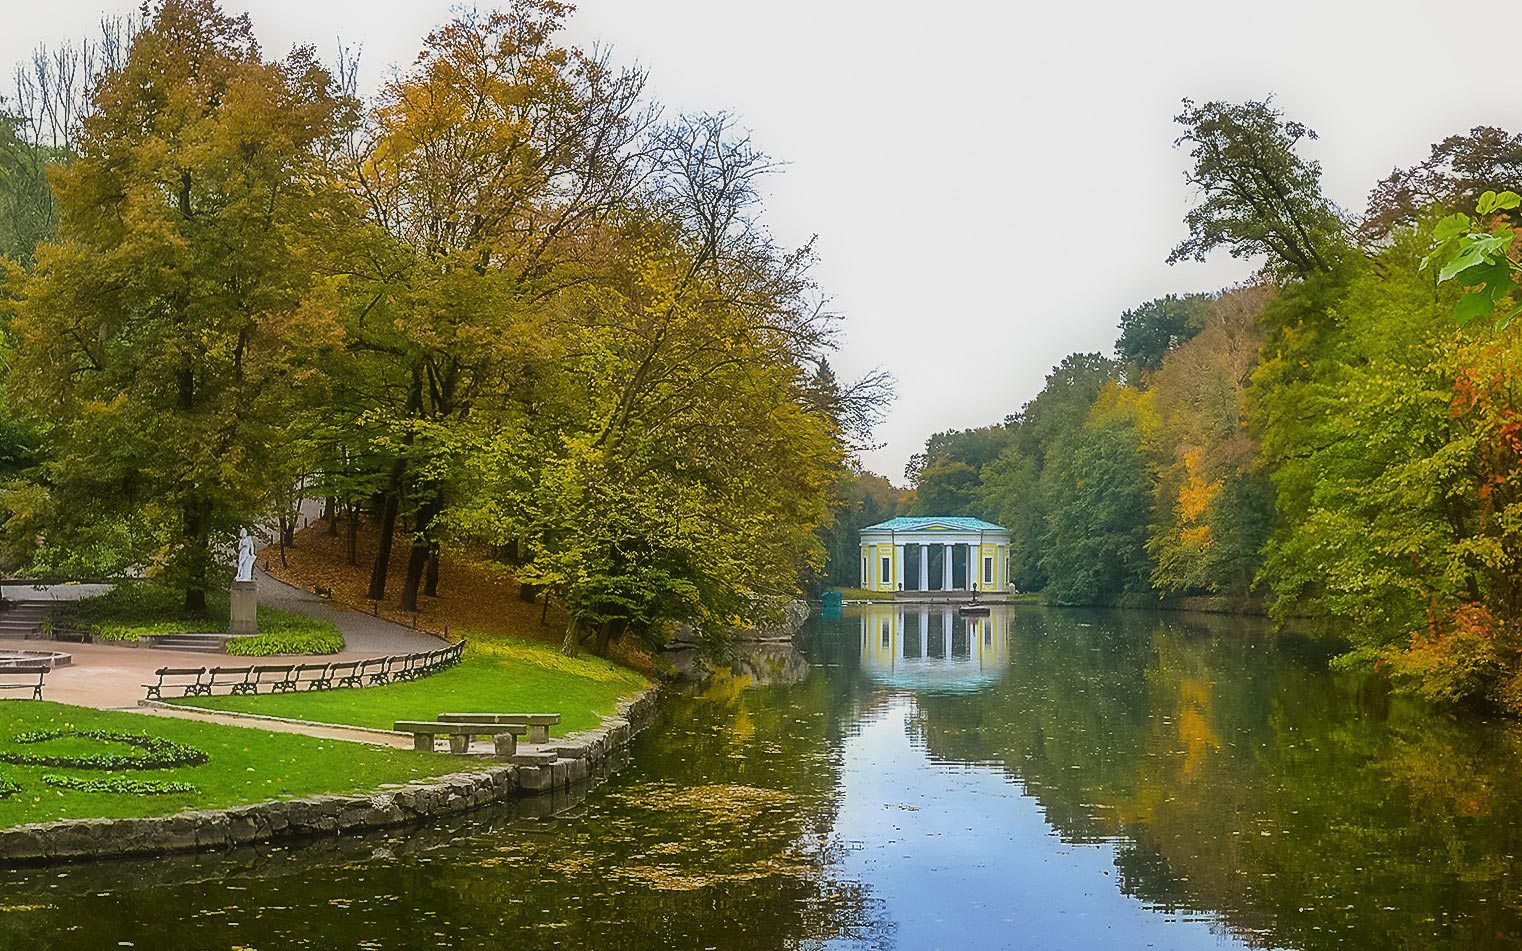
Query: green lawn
point(131, 611)
point(862, 594)
point(244, 766)
point(505, 676)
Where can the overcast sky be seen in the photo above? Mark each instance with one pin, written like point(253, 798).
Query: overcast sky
point(991, 183)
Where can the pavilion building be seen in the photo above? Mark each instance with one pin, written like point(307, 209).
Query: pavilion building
point(936, 558)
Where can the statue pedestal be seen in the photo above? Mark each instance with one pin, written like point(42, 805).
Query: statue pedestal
point(245, 617)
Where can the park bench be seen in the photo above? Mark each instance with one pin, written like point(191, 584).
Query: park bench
point(24, 677)
point(235, 679)
point(315, 676)
point(538, 723)
point(397, 667)
point(188, 679)
point(504, 735)
point(346, 675)
point(377, 670)
point(276, 678)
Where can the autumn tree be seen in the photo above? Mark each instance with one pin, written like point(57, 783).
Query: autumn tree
point(1456, 172)
point(1214, 505)
point(688, 476)
point(483, 171)
point(159, 338)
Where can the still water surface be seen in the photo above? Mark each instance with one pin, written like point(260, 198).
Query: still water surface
point(1048, 780)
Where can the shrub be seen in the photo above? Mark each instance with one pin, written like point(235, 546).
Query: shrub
point(1463, 658)
point(325, 640)
point(157, 752)
point(121, 785)
point(135, 610)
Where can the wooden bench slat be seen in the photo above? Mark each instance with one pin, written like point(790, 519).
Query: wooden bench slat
point(25, 677)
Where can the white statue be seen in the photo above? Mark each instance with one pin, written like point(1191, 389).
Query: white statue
point(245, 556)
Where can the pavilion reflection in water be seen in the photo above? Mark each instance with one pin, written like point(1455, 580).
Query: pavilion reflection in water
point(922, 646)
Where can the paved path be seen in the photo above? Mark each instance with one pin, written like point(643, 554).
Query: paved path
point(319, 730)
point(109, 676)
point(362, 632)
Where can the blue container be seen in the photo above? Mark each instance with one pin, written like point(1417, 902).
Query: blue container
point(832, 603)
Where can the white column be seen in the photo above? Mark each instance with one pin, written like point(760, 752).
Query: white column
point(924, 566)
point(898, 566)
point(946, 569)
point(973, 579)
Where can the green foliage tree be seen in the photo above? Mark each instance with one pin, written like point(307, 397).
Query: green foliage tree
point(1150, 331)
point(1012, 489)
point(27, 212)
point(859, 499)
point(1098, 487)
point(1479, 255)
point(159, 339)
point(1259, 197)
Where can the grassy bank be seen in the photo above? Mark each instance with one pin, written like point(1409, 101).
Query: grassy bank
point(241, 765)
point(499, 676)
point(476, 592)
point(862, 594)
point(131, 612)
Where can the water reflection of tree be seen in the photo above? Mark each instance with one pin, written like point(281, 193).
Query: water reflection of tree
point(719, 837)
point(1299, 806)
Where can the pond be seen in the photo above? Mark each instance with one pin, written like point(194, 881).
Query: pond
point(1047, 779)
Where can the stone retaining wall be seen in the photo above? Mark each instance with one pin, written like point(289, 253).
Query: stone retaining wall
point(394, 805)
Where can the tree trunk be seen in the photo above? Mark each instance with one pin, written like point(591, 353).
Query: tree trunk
point(353, 540)
point(199, 553)
point(417, 560)
point(394, 497)
point(571, 646)
point(431, 578)
point(382, 564)
point(604, 635)
point(330, 512)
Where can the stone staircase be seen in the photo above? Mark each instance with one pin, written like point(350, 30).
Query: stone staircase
point(195, 643)
point(23, 619)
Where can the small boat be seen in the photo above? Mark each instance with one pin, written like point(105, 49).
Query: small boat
point(973, 610)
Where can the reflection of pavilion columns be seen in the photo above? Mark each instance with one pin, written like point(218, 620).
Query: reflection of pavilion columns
point(946, 633)
point(924, 632)
point(946, 568)
point(924, 566)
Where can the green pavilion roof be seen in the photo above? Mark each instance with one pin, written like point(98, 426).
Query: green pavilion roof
point(931, 523)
